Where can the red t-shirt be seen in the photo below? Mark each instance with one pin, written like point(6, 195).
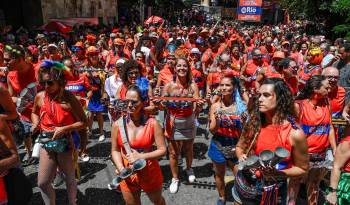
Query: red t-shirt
point(337, 100)
point(166, 75)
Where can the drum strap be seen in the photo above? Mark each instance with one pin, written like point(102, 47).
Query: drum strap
point(269, 195)
point(124, 137)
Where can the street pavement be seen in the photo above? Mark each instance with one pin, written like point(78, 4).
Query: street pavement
point(99, 171)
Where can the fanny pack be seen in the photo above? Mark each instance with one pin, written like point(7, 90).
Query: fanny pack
point(58, 146)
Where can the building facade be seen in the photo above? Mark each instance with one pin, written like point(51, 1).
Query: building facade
point(34, 13)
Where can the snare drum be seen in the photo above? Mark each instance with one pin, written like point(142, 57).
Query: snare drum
point(248, 190)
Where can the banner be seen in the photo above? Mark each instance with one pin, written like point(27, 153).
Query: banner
point(249, 10)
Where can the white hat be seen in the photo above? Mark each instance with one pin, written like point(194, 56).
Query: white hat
point(153, 35)
point(120, 61)
point(52, 45)
point(195, 51)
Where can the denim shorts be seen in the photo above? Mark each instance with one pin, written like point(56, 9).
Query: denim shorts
point(215, 154)
point(20, 130)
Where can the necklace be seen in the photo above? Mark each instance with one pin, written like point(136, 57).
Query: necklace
point(313, 106)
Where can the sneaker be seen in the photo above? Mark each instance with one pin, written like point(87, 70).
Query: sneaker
point(174, 186)
point(190, 175)
point(84, 157)
point(101, 138)
point(220, 202)
point(59, 179)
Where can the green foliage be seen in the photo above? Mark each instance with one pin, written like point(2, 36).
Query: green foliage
point(336, 12)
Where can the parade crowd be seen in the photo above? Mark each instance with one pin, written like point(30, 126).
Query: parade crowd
point(276, 100)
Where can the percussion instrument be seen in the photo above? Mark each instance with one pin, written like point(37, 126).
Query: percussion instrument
point(339, 122)
point(4, 69)
point(26, 97)
point(81, 70)
point(266, 158)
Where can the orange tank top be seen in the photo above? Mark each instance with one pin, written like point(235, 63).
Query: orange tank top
point(271, 73)
point(306, 73)
point(316, 125)
point(347, 164)
point(144, 140)
point(122, 93)
point(273, 136)
point(53, 115)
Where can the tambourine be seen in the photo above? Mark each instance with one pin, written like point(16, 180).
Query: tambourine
point(26, 97)
point(338, 122)
point(82, 70)
point(177, 101)
point(4, 69)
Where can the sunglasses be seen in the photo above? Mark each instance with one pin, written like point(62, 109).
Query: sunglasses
point(133, 73)
point(132, 102)
point(6, 60)
point(332, 77)
point(258, 56)
point(47, 83)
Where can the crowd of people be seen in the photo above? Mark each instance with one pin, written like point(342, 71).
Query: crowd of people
point(274, 95)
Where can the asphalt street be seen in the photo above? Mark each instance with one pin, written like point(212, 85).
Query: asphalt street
point(99, 171)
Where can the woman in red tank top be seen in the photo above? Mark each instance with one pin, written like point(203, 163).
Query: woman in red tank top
point(131, 75)
point(338, 191)
point(180, 128)
point(271, 125)
point(58, 114)
point(141, 134)
point(315, 118)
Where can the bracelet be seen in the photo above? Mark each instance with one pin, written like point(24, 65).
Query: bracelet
point(331, 189)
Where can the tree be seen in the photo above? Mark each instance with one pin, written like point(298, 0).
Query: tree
point(336, 13)
point(342, 7)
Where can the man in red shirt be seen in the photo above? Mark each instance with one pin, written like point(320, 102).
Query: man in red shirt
point(336, 95)
point(20, 76)
point(167, 73)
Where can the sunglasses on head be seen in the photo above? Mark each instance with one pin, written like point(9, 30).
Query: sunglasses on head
point(76, 48)
point(257, 56)
point(47, 82)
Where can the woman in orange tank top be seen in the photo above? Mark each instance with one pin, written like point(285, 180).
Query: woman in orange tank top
point(58, 114)
point(315, 118)
point(141, 134)
point(270, 125)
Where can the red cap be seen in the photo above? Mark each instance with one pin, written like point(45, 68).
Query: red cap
point(115, 30)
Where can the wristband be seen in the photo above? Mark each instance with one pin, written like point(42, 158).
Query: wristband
point(331, 189)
